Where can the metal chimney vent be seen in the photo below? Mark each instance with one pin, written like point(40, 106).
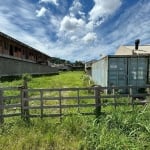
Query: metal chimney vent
point(137, 42)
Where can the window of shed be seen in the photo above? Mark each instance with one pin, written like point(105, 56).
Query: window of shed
point(113, 66)
point(134, 75)
point(6, 46)
point(140, 73)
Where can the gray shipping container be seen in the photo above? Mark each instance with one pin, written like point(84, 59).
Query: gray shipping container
point(122, 71)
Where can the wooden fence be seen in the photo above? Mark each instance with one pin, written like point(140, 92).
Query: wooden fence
point(60, 102)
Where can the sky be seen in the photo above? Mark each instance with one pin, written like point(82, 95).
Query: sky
point(76, 30)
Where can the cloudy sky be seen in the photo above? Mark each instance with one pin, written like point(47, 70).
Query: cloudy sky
point(76, 29)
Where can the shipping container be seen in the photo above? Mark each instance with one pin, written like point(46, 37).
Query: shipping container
point(122, 70)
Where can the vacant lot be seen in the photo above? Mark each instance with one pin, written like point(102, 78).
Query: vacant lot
point(117, 130)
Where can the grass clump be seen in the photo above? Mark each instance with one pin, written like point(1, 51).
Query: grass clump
point(112, 131)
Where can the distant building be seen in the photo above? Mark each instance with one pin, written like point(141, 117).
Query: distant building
point(17, 58)
point(88, 67)
point(13, 48)
point(63, 67)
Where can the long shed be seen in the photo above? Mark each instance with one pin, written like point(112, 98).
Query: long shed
point(17, 58)
point(122, 70)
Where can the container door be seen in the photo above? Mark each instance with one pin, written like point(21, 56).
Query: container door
point(137, 71)
point(118, 72)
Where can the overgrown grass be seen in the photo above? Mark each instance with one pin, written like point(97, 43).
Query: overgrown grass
point(69, 79)
point(116, 130)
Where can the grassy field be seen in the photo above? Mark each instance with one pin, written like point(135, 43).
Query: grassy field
point(115, 131)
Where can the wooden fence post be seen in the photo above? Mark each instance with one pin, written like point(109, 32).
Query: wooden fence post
point(41, 99)
point(97, 101)
point(148, 90)
point(60, 105)
point(1, 107)
point(25, 102)
point(78, 99)
point(132, 99)
point(115, 104)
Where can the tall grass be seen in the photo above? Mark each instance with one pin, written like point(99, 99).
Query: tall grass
point(116, 130)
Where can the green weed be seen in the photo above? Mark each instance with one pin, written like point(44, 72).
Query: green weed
point(120, 129)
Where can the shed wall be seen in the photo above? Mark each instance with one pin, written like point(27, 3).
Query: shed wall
point(16, 67)
point(100, 72)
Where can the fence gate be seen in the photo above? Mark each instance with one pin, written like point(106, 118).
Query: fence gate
point(58, 102)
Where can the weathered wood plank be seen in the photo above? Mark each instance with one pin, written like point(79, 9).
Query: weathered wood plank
point(87, 97)
point(44, 115)
point(85, 114)
point(61, 106)
point(9, 88)
point(11, 115)
point(11, 97)
point(11, 106)
point(44, 98)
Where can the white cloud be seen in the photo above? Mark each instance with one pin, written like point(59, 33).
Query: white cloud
point(89, 37)
point(55, 22)
point(71, 24)
point(41, 12)
point(50, 1)
point(102, 9)
point(76, 8)
point(74, 28)
point(74, 38)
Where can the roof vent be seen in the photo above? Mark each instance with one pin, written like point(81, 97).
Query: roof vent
point(137, 42)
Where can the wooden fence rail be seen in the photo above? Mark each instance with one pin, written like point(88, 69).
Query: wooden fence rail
point(65, 101)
